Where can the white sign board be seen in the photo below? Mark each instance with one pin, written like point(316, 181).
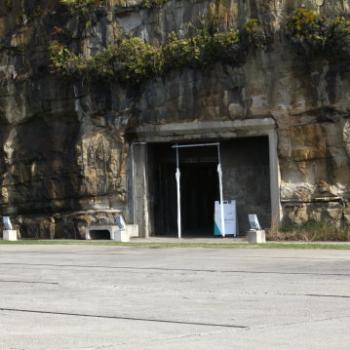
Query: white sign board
point(7, 223)
point(230, 214)
point(120, 222)
point(254, 222)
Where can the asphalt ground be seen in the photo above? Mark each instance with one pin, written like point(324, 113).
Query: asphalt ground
point(100, 297)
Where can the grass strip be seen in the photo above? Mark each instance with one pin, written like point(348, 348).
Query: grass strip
point(184, 244)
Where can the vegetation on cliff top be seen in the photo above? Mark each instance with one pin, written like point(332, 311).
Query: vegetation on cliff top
point(132, 60)
point(315, 35)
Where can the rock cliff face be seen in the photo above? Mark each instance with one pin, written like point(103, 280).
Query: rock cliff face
point(65, 140)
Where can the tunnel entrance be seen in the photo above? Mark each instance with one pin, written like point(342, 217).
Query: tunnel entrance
point(199, 190)
point(246, 179)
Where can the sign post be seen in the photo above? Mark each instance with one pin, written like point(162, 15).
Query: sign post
point(221, 194)
point(178, 188)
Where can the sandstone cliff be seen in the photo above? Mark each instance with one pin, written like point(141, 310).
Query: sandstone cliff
point(64, 139)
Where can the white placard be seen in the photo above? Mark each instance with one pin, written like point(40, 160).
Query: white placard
point(254, 222)
point(230, 214)
point(120, 222)
point(7, 223)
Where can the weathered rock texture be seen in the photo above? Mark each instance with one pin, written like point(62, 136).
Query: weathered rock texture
point(64, 141)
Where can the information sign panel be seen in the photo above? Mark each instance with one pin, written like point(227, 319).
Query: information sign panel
point(230, 214)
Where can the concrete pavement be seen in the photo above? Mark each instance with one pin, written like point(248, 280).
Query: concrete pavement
point(93, 297)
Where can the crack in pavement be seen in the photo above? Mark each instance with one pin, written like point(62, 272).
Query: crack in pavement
point(328, 296)
point(291, 324)
point(127, 318)
point(28, 282)
point(165, 269)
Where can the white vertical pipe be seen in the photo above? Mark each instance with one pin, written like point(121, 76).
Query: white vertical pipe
point(178, 186)
point(222, 212)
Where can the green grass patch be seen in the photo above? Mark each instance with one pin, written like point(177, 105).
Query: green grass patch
point(184, 244)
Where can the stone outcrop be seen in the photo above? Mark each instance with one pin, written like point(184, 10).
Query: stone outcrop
point(64, 140)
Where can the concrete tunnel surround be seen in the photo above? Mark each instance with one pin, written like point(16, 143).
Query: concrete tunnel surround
point(139, 205)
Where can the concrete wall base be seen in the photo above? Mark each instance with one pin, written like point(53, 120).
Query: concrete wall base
point(121, 236)
point(10, 235)
point(133, 230)
point(116, 234)
point(256, 236)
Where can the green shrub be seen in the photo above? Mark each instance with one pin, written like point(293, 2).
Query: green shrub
point(224, 47)
point(202, 50)
point(254, 36)
point(132, 60)
point(316, 35)
point(308, 30)
point(338, 39)
point(179, 53)
point(64, 61)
